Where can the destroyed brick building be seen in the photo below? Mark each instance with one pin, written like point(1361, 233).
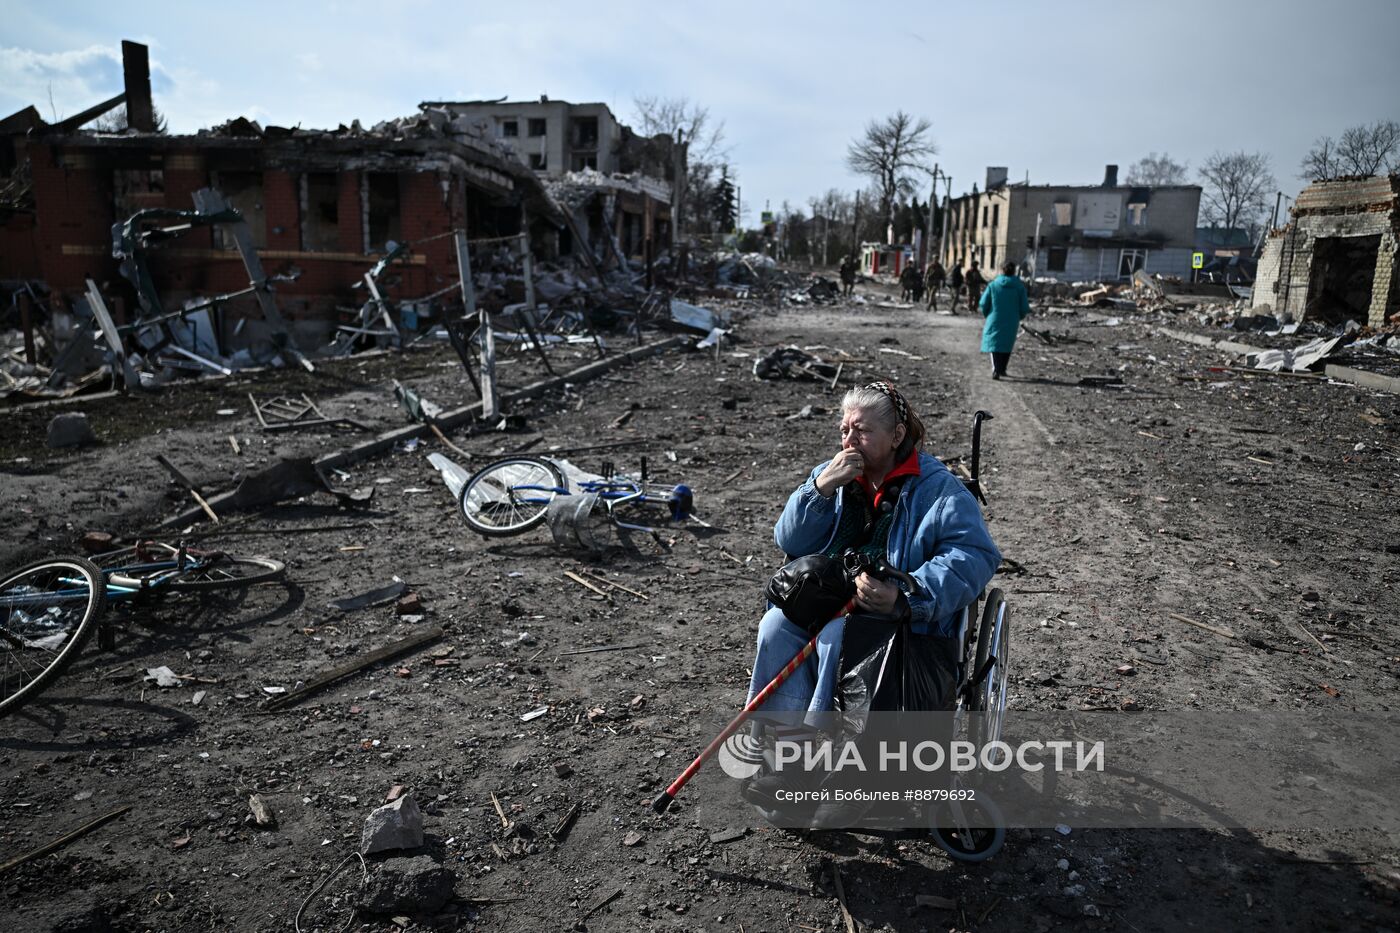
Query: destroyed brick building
point(1335, 259)
point(1100, 232)
point(321, 207)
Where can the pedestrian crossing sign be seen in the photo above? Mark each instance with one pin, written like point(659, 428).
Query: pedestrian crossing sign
point(1198, 260)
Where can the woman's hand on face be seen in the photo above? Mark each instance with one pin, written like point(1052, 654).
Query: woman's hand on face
point(843, 468)
point(877, 596)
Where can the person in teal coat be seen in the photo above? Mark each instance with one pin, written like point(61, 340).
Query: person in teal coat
point(1004, 303)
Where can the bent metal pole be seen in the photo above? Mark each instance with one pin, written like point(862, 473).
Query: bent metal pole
point(663, 802)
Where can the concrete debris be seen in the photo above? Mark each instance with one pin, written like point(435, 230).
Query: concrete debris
point(417, 885)
point(397, 825)
point(260, 813)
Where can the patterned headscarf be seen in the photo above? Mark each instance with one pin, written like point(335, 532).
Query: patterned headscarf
point(901, 407)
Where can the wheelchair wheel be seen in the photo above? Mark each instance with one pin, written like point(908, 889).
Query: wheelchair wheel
point(511, 495)
point(978, 829)
point(989, 697)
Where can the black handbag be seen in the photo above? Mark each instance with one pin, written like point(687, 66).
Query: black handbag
point(811, 591)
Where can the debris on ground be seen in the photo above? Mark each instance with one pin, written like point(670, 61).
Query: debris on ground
point(396, 825)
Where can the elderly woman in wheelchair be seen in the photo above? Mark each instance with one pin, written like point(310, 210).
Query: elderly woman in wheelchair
point(894, 513)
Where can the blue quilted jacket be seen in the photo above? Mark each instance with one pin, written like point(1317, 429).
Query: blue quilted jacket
point(938, 537)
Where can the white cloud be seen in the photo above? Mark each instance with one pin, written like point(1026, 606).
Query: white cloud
point(73, 80)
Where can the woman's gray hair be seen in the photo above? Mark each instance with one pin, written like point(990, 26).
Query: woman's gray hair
point(874, 403)
point(881, 407)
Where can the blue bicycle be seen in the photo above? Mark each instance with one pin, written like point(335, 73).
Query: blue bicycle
point(49, 609)
point(513, 495)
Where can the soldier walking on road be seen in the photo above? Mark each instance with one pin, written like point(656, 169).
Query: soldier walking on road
point(955, 284)
point(848, 275)
point(933, 281)
point(975, 283)
point(911, 283)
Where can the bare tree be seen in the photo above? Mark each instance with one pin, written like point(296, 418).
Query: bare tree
point(888, 151)
point(704, 136)
point(1237, 185)
point(1157, 169)
point(705, 152)
point(1362, 150)
point(114, 121)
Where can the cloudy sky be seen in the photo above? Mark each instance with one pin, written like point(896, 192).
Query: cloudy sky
point(1053, 90)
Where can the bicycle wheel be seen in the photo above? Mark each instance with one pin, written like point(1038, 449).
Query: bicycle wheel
point(135, 568)
point(47, 611)
point(511, 495)
point(989, 698)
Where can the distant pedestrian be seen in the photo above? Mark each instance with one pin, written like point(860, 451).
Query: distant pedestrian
point(974, 282)
point(1004, 304)
point(848, 275)
point(910, 283)
point(955, 284)
point(933, 281)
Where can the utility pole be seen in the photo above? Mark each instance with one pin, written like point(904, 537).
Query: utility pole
point(928, 229)
point(1035, 250)
point(826, 232)
point(947, 210)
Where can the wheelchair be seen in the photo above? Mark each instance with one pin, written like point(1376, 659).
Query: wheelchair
point(966, 675)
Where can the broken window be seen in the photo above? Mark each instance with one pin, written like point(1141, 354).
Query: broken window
point(996, 214)
point(320, 212)
point(585, 132)
point(244, 193)
point(137, 189)
point(1063, 214)
point(1130, 261)
point(537, 126)
point(510, 128)
point(1137, 215)
point(984, 215)
point(538, 161)
point(382, 194)
point(583, 160)
point(1057, 258)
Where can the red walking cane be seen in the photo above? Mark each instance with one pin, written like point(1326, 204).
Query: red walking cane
point(662, 803)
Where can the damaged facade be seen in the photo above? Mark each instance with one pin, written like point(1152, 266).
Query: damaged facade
point(151, 225)
point(620, 186)
point(1335, 259)
point(1101, 232)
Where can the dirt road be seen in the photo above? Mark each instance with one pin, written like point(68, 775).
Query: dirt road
point(1263, 504)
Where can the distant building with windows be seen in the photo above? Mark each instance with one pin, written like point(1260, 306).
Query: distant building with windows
point(555, 137)
point(1102, 232)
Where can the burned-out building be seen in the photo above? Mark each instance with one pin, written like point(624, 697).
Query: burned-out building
point(1335, 258)
point(553, 137)
point(1102, 232)
point(322, 207)
point(612, 178)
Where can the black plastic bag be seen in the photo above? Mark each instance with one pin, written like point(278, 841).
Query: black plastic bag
point(885, 666)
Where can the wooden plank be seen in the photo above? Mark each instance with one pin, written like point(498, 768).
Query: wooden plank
point(490, 403)
point(321, 681)
point(63, 840)
point(109, 333)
